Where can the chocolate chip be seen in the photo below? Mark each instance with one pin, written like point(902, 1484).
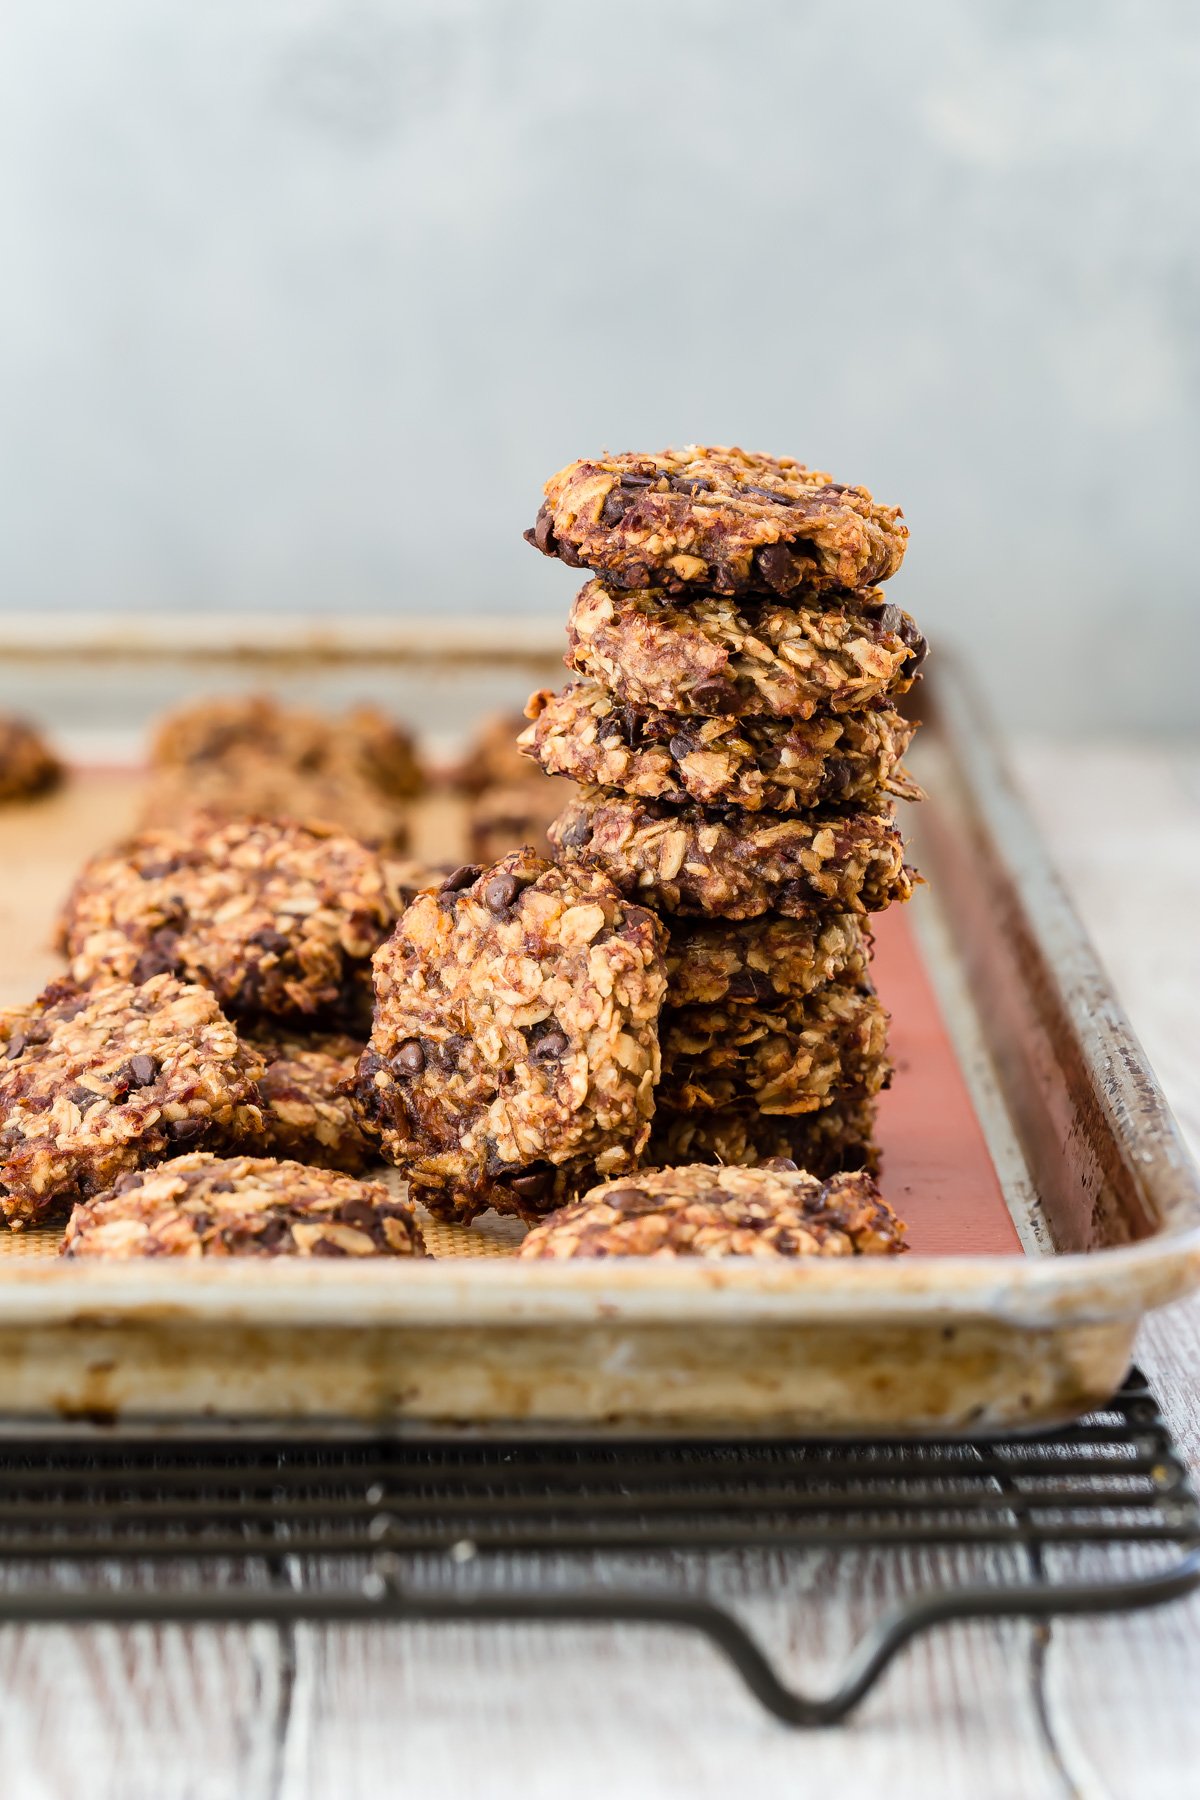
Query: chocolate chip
point(461, 878)
point(836, 778)
point(629, 479)
point(142, 1070)
point(550, 1045)
point(185, 1131)
point(533, 1184)
point(158, 959)
point(761, 493)
point(779, 1165)
point(890, 618)
point(542, 534)
point(575, 835)
point(326, 1247)
point(680, 746)
point(274, 1232)
point(83, 1098)
point(360, 1213)
point(616, 505)
point(690, 484)
point(716, 698)
point(272, 941)
point(626, 1199)
point(779, 568)
point(750, 984)
point(220, 1187)
point(499, 894)
point(410, 1057)
point(16, 1044)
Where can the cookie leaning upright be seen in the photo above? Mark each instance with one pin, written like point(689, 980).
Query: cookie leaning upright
point(514, 1051)
point(738, 746)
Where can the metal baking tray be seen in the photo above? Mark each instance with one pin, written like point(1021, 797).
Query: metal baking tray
point(1051, 1200)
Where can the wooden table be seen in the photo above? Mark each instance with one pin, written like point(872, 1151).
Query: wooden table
point(996, 1712)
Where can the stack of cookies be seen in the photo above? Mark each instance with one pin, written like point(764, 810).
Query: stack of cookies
point(736, 742)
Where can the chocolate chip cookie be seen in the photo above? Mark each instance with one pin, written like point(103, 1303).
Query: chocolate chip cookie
point(515, 1042)
point(698, 1210)
point(242, 1206)
point(717, 657)
point(95, 1084)
point(733, 864)
point(759, 764)
point(28, 766)
point(790, 1056)
point(764, 959)
point(274, 917)
point(307, 1111)
point(726, 520)
point(838, 1137)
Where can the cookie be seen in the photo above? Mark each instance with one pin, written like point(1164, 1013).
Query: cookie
point(307, 1113)
point(764, 959)
point(698, 1210)
point(28, 766)
point(838, 1137)
point(257, 787)
point(726, 520)
point(719, 658)
point(502, 819)
point(792, 1056)
point(515, 1041)
point(275, 918)
point(491, 758)
point(759, 764)
point(93, 1085)
point(733, 864)
point(249, 757)
point(224, 730)
point(242, 1206)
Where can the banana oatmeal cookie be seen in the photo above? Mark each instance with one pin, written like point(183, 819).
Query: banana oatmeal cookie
point(275, 918)
point(791, 1057)
point(242, 1206)
point(734, 864)
point(93, 1084)
point(515, 1044)
point(724, 519)
point(697, 1210)
point(722, 658)
point(762, 959)
point(28, 766)
point(502, 819)
point(756, 763)
point(838, 1137)
point(307, 1111)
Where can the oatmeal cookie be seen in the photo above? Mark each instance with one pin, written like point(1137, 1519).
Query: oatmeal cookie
point(838, 1137)
point(242, 1206)
point(764, 959)
point(275, 918)
point(491, 758)
point(698, 1210)
point(307, 1112)
point(258, 787)
point(95, 1084)
point(721, 658)
point(780, 765)
point(225, 730)
point(28, 766)
point(515, 1044)
point(722, 519)
point(792, 1056)
point(733, 864)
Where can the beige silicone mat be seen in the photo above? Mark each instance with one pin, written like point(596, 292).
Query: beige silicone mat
point(42, 844)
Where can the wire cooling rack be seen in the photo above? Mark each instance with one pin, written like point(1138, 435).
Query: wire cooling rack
point(133, 1529)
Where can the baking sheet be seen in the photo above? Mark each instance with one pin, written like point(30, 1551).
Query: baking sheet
point(937, 1171)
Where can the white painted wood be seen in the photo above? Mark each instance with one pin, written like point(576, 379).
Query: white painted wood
point(1101, 1710)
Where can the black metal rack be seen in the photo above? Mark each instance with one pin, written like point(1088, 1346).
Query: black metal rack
point(319, 1531)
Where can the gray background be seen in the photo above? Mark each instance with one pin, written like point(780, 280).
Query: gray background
point(300, 302)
